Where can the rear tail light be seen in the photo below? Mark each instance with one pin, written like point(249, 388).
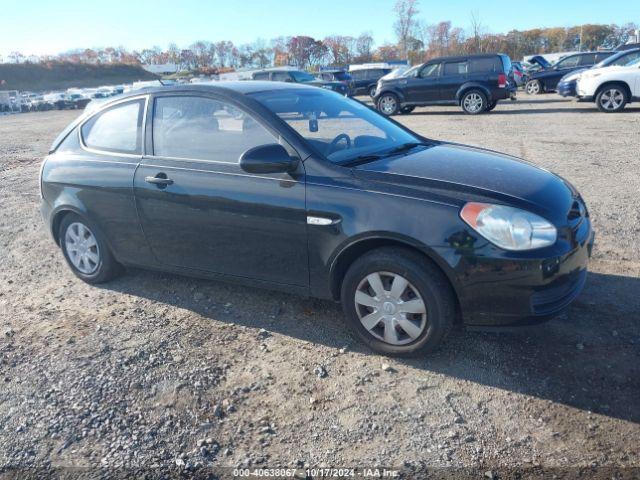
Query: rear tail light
point(502, 80)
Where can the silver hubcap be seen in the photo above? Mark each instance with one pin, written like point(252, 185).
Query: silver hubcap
point(390, 308)
point(82, 248)
point(388, 105)
point(533, 87)
point(611, 99)
point(473, 102)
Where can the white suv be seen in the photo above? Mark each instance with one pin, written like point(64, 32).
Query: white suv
point(610, 87)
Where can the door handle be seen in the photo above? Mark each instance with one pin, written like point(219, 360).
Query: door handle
point(160, 179)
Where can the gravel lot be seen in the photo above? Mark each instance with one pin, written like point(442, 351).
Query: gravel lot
point(164, 373)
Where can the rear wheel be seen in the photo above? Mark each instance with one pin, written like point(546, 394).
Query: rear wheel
point(474, 102)
point(533, 87)
point(398, 302)
point(388, 104)
point(86, 251)
point(612, 98)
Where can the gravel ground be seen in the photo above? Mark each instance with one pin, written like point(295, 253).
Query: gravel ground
point(170, 375)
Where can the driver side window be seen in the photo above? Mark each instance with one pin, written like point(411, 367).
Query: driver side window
point(204, 129)
point(430, 71)
point(569, 62)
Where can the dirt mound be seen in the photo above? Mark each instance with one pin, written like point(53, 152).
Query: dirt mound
point(63, 75)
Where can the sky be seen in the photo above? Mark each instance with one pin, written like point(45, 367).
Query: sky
point(51, 27)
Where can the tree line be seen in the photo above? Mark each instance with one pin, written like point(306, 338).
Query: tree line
point(416, 41)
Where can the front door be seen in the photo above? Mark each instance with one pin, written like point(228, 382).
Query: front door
point(425, 86)
point(200, 210)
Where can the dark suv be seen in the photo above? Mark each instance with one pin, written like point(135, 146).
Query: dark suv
point(366, 79)
point(337, 75)
point(475, 82)
point(546, 79)
point(299, 76)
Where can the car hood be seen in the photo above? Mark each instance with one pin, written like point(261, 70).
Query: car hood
point(540, 60)
point(465, 173)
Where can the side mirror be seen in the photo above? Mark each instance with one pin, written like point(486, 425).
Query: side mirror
point(271, 158)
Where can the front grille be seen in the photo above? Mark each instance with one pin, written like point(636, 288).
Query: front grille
point(555, 297)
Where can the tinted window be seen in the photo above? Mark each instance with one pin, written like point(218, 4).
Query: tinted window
point(281, 76)
point(455, 68)
point(261, 76)
point(342, 76)
point(204, 129)
point(482, 65)
point(588, 59)
point(359, 74)
point(627, 59)
point(432, 70)
point(117, 129)
point(569, 62)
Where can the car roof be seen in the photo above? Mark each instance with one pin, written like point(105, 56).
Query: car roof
point(241, 86)
point(465, 57)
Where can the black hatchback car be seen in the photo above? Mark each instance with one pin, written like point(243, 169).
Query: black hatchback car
point(303, 190)
point(475, 82)
point(546, 79)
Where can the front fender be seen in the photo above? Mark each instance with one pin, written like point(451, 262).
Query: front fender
point(391, 89)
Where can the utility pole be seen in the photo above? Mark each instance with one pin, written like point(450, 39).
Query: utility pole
point(580, 48)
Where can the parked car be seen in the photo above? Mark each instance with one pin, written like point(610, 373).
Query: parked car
point(337, 75)
point(475, 82)
point(567, 85)
point(366, 79)
point(611, 88)
point(79, 100)
point(59, 100)
point(546, 79)
point(299, 76)
point(627, 46)
point(299, 189)
point(519, 74)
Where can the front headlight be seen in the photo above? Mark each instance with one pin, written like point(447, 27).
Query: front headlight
point(509, 228)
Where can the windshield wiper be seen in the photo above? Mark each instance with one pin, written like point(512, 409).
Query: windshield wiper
point(360, 159)
point(405, 147)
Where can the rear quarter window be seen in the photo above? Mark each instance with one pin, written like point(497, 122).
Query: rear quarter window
point(117, 129)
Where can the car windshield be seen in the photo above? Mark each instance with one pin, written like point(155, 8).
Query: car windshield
point(344, 130)
point(412, 71)
point(302, 77)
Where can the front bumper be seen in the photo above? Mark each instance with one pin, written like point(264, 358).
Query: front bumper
point(567, 89)
point(507, 289)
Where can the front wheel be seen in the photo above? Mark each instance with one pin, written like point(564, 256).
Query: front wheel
point(398, 302)
point(388, 104)
point(474, 102)
point(86, 251)
point(533, 87)
point(611, 99)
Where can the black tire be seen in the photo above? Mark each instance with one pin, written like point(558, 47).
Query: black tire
point(406, 110)
point(106, 268)
point(388, 104)
point(534, 87)
point(372, 91)
point(611, 98)
point(474, 102)
point(492, 105)
point(422, 274)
